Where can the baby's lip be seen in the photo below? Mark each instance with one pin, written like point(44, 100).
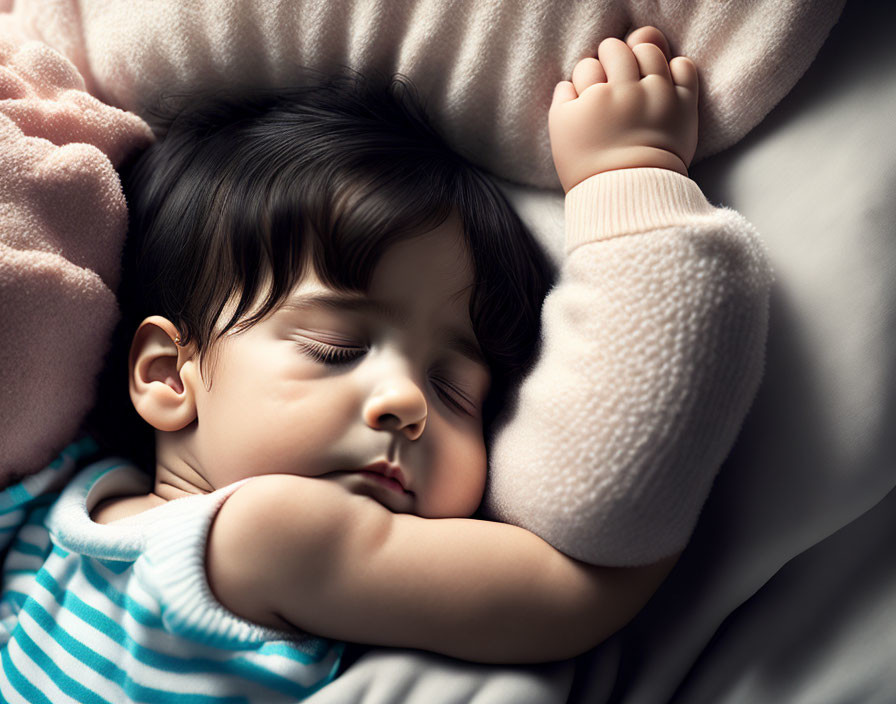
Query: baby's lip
point(390, 471)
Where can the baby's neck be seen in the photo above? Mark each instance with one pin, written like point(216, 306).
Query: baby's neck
point(178, 470)
point(169, 484)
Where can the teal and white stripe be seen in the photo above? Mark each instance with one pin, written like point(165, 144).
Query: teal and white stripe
point(40, 489)
point(93, 613)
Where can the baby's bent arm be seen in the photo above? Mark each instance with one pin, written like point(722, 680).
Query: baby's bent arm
point(297, 553)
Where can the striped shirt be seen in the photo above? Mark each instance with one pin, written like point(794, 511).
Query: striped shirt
point(123, 612)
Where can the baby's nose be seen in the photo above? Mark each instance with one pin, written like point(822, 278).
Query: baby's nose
point(398, 405)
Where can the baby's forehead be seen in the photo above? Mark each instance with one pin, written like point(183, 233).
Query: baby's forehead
point(434, 263)
point(431, 268)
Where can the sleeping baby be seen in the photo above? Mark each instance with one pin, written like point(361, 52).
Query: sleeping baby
point(331, 313)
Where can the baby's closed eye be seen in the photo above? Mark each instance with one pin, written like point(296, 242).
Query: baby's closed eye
point(456, 391)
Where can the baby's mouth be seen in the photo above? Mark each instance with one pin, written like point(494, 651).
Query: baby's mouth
point(384, 481)
point(388, 475)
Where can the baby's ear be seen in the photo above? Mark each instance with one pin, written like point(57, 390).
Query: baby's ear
point(156, 376)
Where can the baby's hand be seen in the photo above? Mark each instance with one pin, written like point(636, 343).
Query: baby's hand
point(629, 108)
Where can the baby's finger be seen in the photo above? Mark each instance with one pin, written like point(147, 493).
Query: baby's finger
point(618, 61)
point(651, 61)
point(684, 72)
point(649, 35)
point(564, 91)
point(586, 73)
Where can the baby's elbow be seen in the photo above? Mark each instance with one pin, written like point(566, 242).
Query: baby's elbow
point(589, 604)
point(611, 599)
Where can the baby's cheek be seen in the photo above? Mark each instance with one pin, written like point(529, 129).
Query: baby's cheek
point(462, 481)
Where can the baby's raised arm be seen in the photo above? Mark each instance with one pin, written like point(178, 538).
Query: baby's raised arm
point(653, 338)
point(322, 560)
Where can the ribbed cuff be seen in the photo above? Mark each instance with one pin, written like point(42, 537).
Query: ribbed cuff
point(176, 554)
point(627, 201)
point(175, 564)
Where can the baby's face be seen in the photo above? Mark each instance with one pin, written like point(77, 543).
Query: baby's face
point(326, 390)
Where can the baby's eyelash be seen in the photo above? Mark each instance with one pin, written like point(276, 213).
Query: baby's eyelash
point(330, 354)
point(450, 399)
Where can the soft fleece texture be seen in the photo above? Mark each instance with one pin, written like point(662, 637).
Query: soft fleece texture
point(569, 505)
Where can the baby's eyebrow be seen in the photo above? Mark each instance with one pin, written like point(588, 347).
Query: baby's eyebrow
point(456, 339)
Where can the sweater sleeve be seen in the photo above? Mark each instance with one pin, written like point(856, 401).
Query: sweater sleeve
point(652, 351)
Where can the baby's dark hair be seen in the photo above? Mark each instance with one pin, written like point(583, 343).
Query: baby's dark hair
point(242, 190)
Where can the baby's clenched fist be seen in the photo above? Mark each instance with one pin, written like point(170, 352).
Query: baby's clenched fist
point(630, 107)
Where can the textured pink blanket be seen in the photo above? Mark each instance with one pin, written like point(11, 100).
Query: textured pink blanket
point(62, 225)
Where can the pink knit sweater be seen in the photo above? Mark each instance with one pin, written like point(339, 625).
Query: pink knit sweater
point(653, 348)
